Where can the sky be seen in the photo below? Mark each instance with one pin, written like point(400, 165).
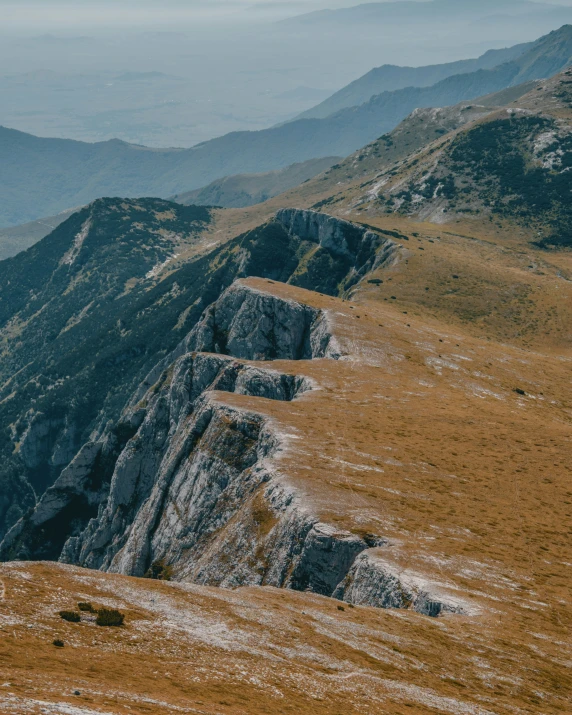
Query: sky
point(30, 15)
point(70, 13)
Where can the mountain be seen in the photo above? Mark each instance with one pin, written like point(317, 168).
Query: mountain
point(45, 176)
point(57, 362)
point(512, 165)
point(86, 313)
point(389, 78)
point(248, 189)
point(413, 12)
point(338, 431)
point(125, 280)
point(231, 191)
point(544, 58)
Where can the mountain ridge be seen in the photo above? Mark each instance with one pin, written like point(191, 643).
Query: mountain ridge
point(388, 78)
point(336, 421)
point(403, 11)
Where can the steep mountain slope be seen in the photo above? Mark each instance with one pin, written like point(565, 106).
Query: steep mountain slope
point(45, 176)
point(62, 336)
point(248, 189)
point(19, 238)
point(350, 176)
point(392, 469)
point(388, 78)
point(89, 310)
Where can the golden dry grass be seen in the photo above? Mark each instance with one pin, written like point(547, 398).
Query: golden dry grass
point(418, 436)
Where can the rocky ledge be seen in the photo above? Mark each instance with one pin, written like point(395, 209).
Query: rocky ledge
point(187, 486)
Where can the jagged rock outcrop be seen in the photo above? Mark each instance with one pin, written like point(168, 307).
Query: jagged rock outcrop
point(252, 325)
point(188, 482)
point(372, 581)
point(362, 249)
point(74, 366)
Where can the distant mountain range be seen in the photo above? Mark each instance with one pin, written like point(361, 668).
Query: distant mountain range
point(389, 78)
point(42, 177)
point(412, 11)
point(247, 189)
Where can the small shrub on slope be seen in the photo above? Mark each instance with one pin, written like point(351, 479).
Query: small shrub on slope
point(160, 571)
point(71, 616)
point(86, 607)
point(109, 617)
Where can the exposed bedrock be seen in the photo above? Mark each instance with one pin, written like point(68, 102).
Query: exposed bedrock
point(372, 581)
point(362, 249)
point(120, 469)
point(189, 485)
point(253, 325)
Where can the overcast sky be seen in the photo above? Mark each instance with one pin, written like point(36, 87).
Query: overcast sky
point(62, 14)
point(106, 12)
point(72, 14)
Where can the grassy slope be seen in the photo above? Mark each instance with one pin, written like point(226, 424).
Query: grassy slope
point(421, 438)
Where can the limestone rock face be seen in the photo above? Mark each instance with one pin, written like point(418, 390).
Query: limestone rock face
point(252, 325)
point(372, 581)
point(47, 440)
point(188, 482)
point(363, 250)
point(337, 235)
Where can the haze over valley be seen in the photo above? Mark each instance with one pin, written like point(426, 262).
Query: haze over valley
point(179, 74)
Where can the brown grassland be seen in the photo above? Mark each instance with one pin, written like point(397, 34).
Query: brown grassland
point(417, 436)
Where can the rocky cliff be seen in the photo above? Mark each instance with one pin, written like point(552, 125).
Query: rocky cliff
point(188, 485)
point(121, 299)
